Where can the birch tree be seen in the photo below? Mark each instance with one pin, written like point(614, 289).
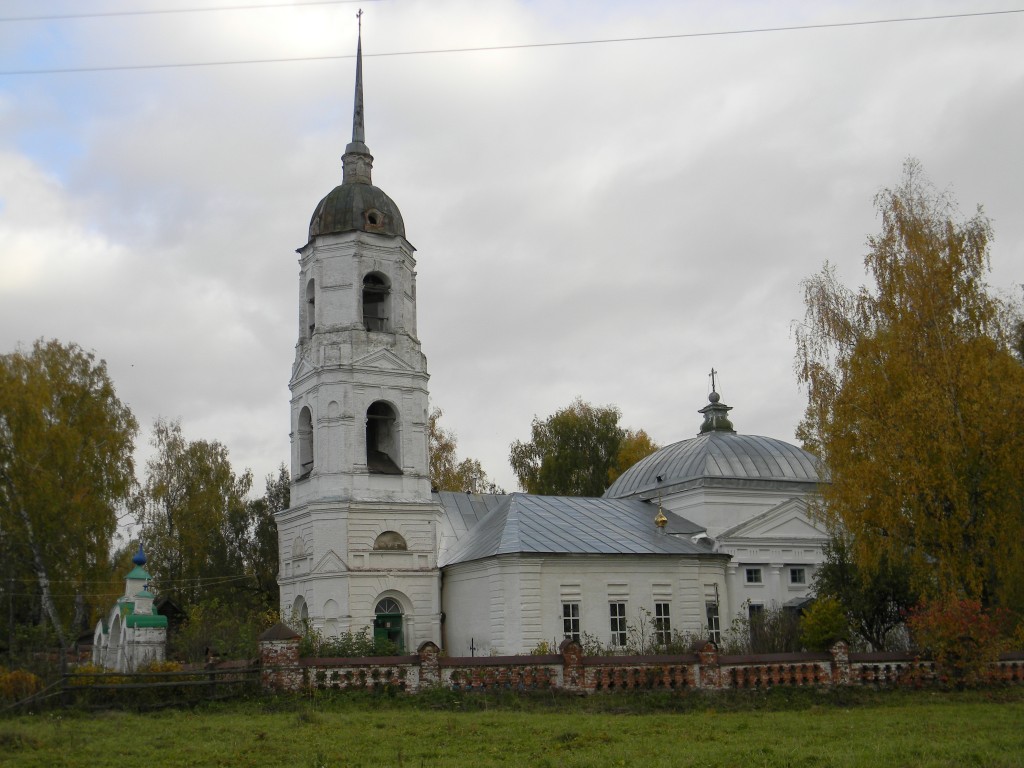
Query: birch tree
point(66, 467)
point(916, 401)
point(195, 523)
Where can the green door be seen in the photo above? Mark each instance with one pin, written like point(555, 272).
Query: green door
point(387, 624)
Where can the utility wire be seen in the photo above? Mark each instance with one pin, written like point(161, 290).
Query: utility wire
point(163, 584)
point(518, 46)
point(107, 14)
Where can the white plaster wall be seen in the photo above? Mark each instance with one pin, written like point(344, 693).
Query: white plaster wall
point(467, 601)
point(775, 559)
point(719, 509)
point(511, 603)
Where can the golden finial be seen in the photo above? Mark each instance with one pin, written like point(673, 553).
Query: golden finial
point(660, 520)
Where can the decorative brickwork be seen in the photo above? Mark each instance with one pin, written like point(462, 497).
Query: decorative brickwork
point(570, 670)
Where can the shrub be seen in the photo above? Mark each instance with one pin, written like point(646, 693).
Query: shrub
point(544, 648)
point(156, 667)
point(774, 629)
point(347, 645)
point(94, 674)
point(823, 624)
point(18, 684)
point(960, 637)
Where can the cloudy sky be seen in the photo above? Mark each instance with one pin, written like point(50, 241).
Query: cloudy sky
point(609, 220)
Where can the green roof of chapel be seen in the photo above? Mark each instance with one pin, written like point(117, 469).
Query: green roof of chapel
point(138, 572)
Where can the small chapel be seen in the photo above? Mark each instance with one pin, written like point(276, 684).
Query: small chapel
point(132, 634)
point(703, 529)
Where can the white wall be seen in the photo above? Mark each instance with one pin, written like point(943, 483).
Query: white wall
point(509, 604)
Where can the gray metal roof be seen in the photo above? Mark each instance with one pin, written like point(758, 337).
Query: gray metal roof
point(359, 207)
point(523, 523)
point(718, 455)
point(462, 511)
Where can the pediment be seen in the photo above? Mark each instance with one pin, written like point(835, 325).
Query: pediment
point(330, 563)
point(301, 369)
point(384, 359)
point(788, 520)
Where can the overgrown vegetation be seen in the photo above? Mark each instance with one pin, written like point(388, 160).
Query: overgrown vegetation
point(346, 645)
point(960, 636)
point(17, 685)
point(221, 628)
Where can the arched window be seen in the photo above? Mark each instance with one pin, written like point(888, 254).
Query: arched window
point(300, 610)
point(310, 309)
point(305, 443)
point(376, 302)
point(331, 618)
point(390, 540)
point(382, 439)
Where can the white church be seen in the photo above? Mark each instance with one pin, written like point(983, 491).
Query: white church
point(689, 536)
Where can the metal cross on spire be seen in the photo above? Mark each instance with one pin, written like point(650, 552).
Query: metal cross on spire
point(713, 372)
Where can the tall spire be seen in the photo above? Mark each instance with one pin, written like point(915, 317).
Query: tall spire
point(357, 160)
point(358, 136)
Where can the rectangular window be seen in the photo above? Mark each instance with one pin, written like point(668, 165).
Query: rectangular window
point(797, 576)
point(755, 611)
point(618, 622)
point(662, 624)
point(571, 621)
point(754, 576)
point(714, 626)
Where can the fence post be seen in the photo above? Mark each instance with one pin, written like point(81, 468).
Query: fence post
point(430, 668)
point(709, 675)
point(572, 665)
point(840, 663)
point(279, 657)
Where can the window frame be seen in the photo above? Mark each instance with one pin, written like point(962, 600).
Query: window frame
point(803, 576)
point(571, 620)
point(753, 575)
point(617, 622)
point(714, 620)
point(662, 623)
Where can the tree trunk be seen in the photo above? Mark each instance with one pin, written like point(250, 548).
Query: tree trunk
point(42, 576)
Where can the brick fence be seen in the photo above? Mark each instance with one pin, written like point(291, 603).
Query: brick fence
point(569, 670)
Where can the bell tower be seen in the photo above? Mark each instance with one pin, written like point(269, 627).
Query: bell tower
point(358, 544)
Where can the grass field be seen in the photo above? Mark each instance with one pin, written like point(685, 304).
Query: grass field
point(792, 729)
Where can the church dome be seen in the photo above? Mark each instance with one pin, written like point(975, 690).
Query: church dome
point(718, 453)
point(356, 207)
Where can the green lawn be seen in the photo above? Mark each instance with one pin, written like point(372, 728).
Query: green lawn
point(922, 729)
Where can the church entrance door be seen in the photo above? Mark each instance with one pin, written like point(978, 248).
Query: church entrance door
point(387, 624)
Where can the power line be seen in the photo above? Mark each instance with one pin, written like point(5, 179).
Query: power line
point(517, 46)
point(107, 14)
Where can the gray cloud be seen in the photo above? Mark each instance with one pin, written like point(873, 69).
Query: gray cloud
point(608, 221)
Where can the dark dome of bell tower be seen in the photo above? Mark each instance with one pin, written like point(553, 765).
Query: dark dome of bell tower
point(356, 205)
